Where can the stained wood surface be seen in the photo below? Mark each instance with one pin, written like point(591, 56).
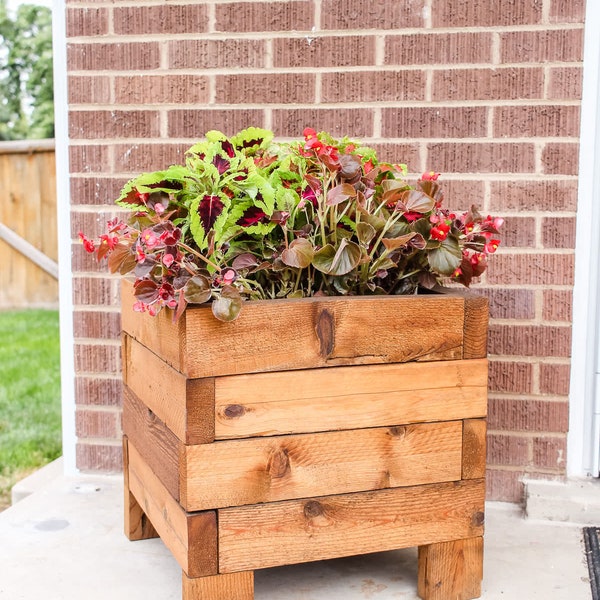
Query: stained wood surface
point(159, 447)
point(349, 398)
point(294, 531)
point(137, 524)
point(451, 570)
point(251, 471)
point(185, 405)
point(229, 586)
point(474, 448)
point(476, 327)
point(275, 335)
point(192, 539)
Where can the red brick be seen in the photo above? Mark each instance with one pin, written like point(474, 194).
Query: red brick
point(216, 54)
point(89, 90)
point(442, 121)
point(162, 89)
point(438, 48)
point(95, 424)
point(538, 121)
point(554, 45)
point(351, 122)
point(506, 450)
point(324, 51)
point(518, 232)
point(481, 157)
point(408, 154)
point(134, 158)
point(167, 18)
point(558, 232)
point(528, 415)
point(554, 379)
point(96, 324)
point(478, 13)
point(264, 16)
point(86, 22)
point(550, 452)
point(83, 262)
point(557, 305)
point(91, 223)
point(94, 291)
point(99, 457)
point(95, 190)
point(113, 124)
point(266, 88)
point(567, 11)
point(488, 84)
point(504, 486)
point(97, 358)
point(529, 340)
point(509, 303)
point(565, 83)
point(511, 377)
point(459, 194)
point(375, 14)
point(193, 124)
point(121, 56)
point(531, 269)
point(373, 86)
point(560, 159)
point(530, 195)
point(93, 391)
point(88, 159)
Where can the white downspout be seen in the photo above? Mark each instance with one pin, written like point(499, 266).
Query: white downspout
point(583, 440)
point(65, 283)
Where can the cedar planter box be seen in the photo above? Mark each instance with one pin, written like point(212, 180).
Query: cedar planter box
point(307, 430)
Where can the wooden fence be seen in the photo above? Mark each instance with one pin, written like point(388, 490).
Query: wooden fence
point(28, 222)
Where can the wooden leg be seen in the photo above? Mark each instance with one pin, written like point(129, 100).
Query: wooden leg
point(137, 524)
point(227, 586)
point(451, 570)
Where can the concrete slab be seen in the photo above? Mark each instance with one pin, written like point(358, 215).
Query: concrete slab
point(36, 480)
point(65, 542)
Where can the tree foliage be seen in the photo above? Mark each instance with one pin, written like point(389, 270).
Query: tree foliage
point(26, 86)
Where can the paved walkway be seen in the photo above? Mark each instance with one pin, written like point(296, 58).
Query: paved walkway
point(65, 542)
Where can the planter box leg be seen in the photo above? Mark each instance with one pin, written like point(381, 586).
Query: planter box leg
point(137, 524)
point(451, 570)
point(228, 586)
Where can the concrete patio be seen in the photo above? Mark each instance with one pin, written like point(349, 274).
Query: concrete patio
point(64, 541)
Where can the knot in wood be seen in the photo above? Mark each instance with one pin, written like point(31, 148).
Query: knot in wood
point(478, 519)
point(325, 329)
point(234, 411)
point(398, 431)
point(313, 509)
point(279, 463)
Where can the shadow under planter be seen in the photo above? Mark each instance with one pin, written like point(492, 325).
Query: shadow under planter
point(307, 430)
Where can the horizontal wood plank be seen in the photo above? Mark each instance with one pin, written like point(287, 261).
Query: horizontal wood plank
point(349, 398)
point(191, 538)
point(474, 448)
point(250, 471)
point(295, 531)
point(229, 586)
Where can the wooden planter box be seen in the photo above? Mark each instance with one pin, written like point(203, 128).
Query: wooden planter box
point(308, 430)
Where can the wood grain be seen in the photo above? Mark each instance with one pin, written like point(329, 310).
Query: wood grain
point(474, 448)
point(294, 531)
point(349, 397)
point(451, 570)
point(238, 472)
point(475, 326)
point(191, 538)
point(229, 586)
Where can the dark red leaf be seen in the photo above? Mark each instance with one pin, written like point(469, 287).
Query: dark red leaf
point(221, 163)
point(252, 216)
point(209, 209)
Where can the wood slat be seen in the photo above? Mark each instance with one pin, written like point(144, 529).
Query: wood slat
point(476, 327)
point(191, 538)
point(238, 472)
point(185, 405)
point(474, 448)
point(306, 333)
point(451, 570)
point(153, 439)
point(349, 398)
point(229, 586)
point(294, 531)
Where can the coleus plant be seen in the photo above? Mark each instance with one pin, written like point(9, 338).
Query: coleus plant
point(249, 218)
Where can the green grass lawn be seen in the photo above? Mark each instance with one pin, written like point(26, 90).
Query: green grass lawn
point(30, 421)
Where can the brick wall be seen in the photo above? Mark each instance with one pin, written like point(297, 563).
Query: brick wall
point(485, 91)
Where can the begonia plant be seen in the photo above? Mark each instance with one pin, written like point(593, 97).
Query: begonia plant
point(247, 217)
